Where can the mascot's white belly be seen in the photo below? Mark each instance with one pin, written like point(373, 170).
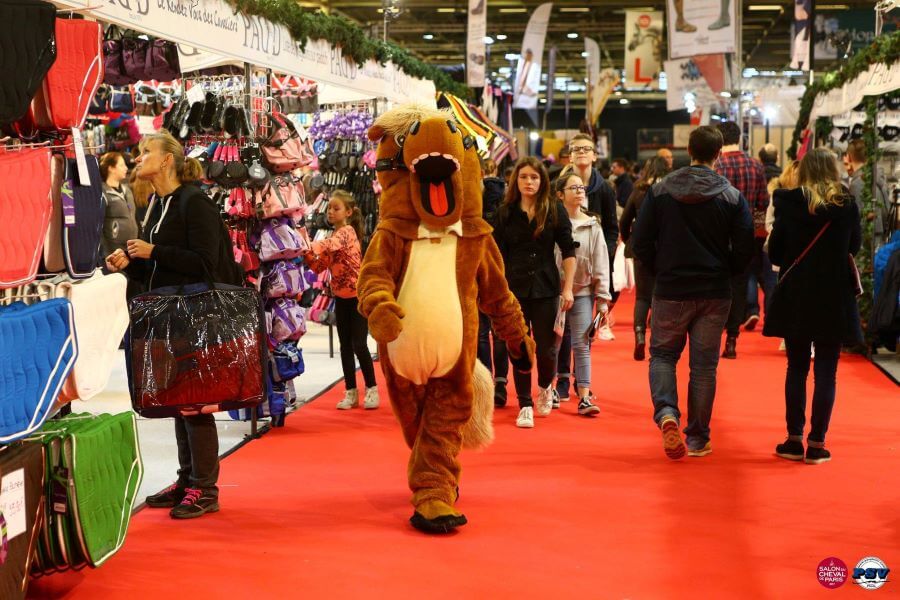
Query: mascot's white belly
point(431, 341)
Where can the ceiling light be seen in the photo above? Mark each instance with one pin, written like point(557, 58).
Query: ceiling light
point(725, 94)
point(572, 35)
point(584, 55)
point(513, 10)
point(833, 7)
point(501, 36)
point(534, 136)
point(624, 101)
point(618, 92)
point(446, 10)
point(511, 56)
point(428, 36)
point(763, 7)
point(543, 101)
point(488, 40)
point(577, 9)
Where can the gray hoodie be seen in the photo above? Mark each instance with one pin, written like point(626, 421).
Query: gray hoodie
point(591, 258)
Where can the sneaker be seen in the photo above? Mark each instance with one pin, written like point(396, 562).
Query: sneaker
point(167, 498)
point(562, 388)
point(750, 323)
point(790, 449)
point(586, 407)
point(500, 393)
point(606, 334)
point(554, 395)
point(544, 405)
point(371, 400)
point(816, 456)
point(672, 442)
point(350, 400)
point(781, 346)
point(700, 451)
point(525, 418)
point(195, 504)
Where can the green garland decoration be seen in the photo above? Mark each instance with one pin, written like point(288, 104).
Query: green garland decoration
point(305, 25)
point(866, 256)
point(885, 49)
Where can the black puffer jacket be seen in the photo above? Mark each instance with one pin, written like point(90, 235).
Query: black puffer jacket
point(492, 198)
point(816, 300)
point(189, 241)
point(695, 231)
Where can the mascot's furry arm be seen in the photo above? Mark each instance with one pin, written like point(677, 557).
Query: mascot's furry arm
point(377, 289)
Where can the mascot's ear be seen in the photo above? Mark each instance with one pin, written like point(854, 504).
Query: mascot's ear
point(376, 132)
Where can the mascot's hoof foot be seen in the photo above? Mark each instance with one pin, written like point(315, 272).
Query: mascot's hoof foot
point(442, 524)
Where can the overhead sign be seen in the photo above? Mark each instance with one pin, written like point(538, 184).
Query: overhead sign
point(700, 27)
point(475, 47)
point(877, 80)
point(528, 71)
point(213, 26)
point(686, 87)
point(801, 38)
point(643, 48)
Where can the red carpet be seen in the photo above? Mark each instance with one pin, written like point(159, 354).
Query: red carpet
point(576, 507)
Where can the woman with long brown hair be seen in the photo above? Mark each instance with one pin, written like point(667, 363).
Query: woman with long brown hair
point(529, 224)
point(644, 281)
point(816, 231)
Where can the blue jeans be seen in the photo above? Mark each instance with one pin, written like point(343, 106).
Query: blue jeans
point(825, 371)
point(578, 319)
point(761, 276)
point(673, 323)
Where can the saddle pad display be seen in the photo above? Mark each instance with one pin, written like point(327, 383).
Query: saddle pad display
point(83, 215)
point(101, 319)
point(37, 351)
point(27, 51)
point(24, 213)
point(193, 347)
point(94, 467)
point(21, 507)
point(77, 73)
point(54, 261)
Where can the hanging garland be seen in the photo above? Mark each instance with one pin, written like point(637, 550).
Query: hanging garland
point(356, 45)
point(885, 49)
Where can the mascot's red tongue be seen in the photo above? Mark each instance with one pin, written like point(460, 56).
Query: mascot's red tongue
point(437, 194)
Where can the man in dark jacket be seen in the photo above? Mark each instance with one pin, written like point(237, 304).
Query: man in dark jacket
point(623, 182)
point(695, 231)
point(768, 156)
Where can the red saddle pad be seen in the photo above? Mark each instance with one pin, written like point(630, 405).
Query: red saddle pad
point(77, 73)
point(24, 213)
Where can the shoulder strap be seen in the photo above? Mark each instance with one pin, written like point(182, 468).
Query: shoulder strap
point(805, 251)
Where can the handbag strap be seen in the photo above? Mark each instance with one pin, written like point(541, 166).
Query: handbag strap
point(805, 252)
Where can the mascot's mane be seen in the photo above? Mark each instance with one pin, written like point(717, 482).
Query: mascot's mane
point(397, 121)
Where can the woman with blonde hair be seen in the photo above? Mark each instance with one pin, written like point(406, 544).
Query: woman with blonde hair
point(529, 225)
point(816, 232)
point(183, 242)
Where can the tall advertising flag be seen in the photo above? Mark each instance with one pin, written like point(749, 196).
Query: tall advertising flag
point(700, 27)
point(528, 71)
point(592, 64)
point(643, 48)
point(801, 37)
point(475, 48)
point(551, 78)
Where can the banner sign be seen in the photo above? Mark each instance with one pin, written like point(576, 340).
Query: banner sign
point(879, 79)
point(686, 87)
point(607, 82)
point(856, 27)
point(643, 48)
point(551, 78)
point(475, 47)
point(800, 40)
point(592, 66)
point(700, 27)
point(213, 26)
point(528, 71)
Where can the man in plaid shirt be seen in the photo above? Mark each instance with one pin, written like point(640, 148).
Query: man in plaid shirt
point(749, 177)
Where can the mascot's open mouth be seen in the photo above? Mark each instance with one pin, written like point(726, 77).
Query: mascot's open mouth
point(435, 172)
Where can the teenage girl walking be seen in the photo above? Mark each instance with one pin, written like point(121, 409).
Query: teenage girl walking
point(529, 225)
point(590, 282)
point(342, 254)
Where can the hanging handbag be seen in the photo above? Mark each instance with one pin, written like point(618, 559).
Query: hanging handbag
point(284, 279)
point(286, 320)
point(283, 149)
point(281, 197)
point(121, 100)
point(134, 57)
point(162, 62)
point(196, 347)
point(114, 66)
point(286, 362)
point(100, 103)
point(279, 241)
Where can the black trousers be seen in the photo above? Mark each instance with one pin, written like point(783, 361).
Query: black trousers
point(736, 315)
point(540, 315)
point(352, 331)
point(198, 452)
point(494, 358)
point(644, 282)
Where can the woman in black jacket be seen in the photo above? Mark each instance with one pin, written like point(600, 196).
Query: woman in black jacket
point(815, 299)
point(644, 281)
point(183, 243)
point(529, 225)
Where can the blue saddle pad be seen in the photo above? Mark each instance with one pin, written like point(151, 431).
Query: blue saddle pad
point(84, 211)
point(37, 350)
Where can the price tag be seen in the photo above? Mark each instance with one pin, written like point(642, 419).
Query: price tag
point(196, 94)
point(84, 176)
